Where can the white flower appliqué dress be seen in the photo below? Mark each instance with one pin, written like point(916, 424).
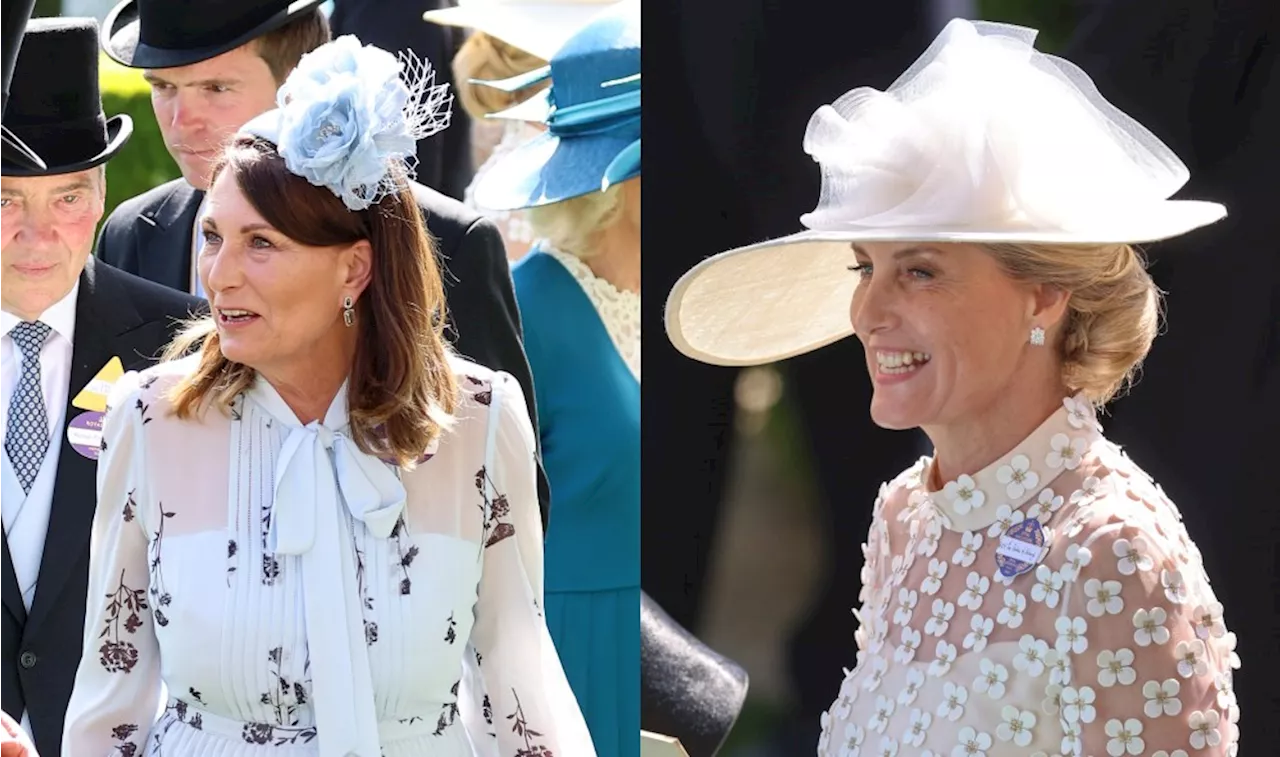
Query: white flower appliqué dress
point(1111, 642)
point(297, 597)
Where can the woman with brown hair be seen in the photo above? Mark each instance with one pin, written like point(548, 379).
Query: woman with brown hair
point(317, 528)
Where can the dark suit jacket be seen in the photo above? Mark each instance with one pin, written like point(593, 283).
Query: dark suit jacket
point(444, 160)
point(150, 235)
point(117, 315)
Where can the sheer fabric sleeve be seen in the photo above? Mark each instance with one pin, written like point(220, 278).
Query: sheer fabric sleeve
point(1150, 659)
point(117, 686)
point(534, 711)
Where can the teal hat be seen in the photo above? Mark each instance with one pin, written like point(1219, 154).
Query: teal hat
point(591, 112)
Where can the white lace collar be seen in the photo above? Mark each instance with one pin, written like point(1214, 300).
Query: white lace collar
point(619, 310)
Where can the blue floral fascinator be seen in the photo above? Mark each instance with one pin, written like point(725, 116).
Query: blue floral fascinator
point(592, 115)
point(348, 118)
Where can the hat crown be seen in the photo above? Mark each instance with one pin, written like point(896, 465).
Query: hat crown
point(984, 131)
point(55, 79)
point(54, 106)
point(184, 24)
point(605, 50)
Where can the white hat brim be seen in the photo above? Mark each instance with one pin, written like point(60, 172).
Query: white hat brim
point(782, 298)
point(539, 28)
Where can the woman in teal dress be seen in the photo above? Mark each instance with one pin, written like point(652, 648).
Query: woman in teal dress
point(579, 295)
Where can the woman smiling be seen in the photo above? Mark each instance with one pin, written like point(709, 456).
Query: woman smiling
point(1027, 588)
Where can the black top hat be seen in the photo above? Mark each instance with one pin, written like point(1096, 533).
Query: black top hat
point(171, 33)
point(54, 106)
point(687, 690)
point(13, 23)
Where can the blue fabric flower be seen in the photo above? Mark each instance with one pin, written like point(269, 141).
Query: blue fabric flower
point(342, 120)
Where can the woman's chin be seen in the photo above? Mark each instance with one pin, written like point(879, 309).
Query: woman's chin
point(893, 413)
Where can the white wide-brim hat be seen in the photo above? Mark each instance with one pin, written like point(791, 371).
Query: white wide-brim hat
point(982, 140)
point(539, 27)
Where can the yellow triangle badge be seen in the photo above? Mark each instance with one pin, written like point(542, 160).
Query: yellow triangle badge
point(94, 394)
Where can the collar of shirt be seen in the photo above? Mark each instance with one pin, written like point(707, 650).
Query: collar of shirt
point(60, 316)
point(197, 242)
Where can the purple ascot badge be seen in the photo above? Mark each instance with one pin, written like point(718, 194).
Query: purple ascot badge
point(1020, 548)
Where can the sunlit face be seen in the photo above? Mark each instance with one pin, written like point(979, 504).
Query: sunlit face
point(200, 106)
point(277, 303)
point(46, 235)
point(944, 330)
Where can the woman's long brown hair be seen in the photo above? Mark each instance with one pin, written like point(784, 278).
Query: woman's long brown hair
point(402, 390)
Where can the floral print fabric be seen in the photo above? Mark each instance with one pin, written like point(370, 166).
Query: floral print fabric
point(188, 588)
point(1109, 643)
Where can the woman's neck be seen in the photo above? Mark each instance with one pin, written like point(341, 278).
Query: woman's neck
point(969, 445)
point(617, 256)
point(308, 387)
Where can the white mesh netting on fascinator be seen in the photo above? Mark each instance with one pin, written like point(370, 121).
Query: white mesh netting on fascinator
point(348, 118)
point(983, 139)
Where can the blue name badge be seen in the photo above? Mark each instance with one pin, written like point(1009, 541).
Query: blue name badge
point(1020, 548)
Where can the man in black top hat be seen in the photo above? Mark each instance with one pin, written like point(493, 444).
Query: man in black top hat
point(213, 67)
point(65, 318)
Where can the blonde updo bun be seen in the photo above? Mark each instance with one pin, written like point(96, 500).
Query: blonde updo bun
point(1113, 313)
point(489, 58)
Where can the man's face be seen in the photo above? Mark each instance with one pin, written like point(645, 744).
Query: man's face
point(47, 225)
point(200, 106)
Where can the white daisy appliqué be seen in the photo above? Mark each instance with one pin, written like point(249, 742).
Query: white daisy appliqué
point(940, 620)
point(1209, 621)
point(1191, 658)
point(1116, 667)
point(944, 657)
point(1132, 556)
point(1077, 704)
point(972, 743)
point(976, 586)
point(964, 494)
point(1031, 656)
point(1065, 452)
point(1204, 729)
point(1149, 627)
point(970, 543)
point(953, 700)
point(1017, 477)
point(1126, 737)
point(1104, 597)
point(991, 678)
point(1048, 587)
point(1017, 725)
point(1162, 698)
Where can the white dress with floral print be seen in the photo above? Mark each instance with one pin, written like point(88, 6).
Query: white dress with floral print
point(269, 589)
point(1111, 644)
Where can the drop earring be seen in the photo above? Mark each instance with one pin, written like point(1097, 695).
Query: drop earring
point(348, 312)
point(1037, 336)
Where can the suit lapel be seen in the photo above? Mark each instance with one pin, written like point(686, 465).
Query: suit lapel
point(10, 591)
point(165, 249)
point(105, 319)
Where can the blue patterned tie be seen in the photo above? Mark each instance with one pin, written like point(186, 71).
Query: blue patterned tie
point(27, 437)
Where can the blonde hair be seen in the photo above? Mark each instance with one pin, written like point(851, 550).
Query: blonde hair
point(486, 57)
point(1113, 309)
point(574, 225)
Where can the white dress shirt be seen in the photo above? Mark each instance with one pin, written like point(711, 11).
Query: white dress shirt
point(197, 241)
point(26, 518)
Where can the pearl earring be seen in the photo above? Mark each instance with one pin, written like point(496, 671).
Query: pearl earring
point(1037, 336)
point(348, 311)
